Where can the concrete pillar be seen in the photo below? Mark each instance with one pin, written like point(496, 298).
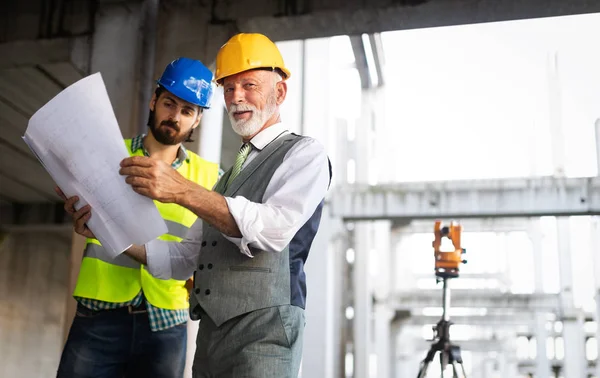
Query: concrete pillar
point(408, 357)
point(385, 156)
point(310, 94)
point(363, 147)
point(292, 112)
point(382, 288)
point(394, 331)
point(597, 127)
point(118, 62)
point(595, 245)
point(555, 116)
point(488, 368)
point(77, 246)
point(149, 17)
point(383, 340)
point(395, 273)
point(508, 280)
point(575, 361)
point(363, 245)
point(342, 153)
point(211, 128)
point(324, 295)
point(382, 269)
point(362, 301)
point(508, 361)
point(542, 365)
point(192, 332)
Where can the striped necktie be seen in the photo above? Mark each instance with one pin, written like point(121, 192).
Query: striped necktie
point(239, 161)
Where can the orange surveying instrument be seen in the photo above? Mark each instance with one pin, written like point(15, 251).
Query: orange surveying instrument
point(447, 263)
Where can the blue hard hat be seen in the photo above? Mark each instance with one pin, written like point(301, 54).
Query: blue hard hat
point(190, 80)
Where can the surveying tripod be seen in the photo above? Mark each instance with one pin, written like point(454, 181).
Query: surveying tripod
point(446, 267)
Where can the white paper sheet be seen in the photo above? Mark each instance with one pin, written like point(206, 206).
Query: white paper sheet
point(77, 139)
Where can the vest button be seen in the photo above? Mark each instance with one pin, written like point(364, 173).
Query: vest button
point(197, 291)
point(214, 243)
point(201, 266)
point(209, 266)
point(207, 292)
point(203, 244)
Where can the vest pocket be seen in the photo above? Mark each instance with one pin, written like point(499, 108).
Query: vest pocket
point(250, 269)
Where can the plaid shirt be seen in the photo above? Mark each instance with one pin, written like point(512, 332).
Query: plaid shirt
point(160, 318)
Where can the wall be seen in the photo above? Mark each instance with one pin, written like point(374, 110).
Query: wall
point(33, 281)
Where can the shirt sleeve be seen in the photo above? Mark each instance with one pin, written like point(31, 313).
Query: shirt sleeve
point(297, 187)
point(176, 260)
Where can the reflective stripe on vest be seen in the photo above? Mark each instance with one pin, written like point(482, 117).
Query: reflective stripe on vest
point(176, 229)
point(96, 251)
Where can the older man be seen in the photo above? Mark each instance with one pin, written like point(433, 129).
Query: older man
point(249, 246)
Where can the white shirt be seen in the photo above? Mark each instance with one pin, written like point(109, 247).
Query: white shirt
point(291, 197)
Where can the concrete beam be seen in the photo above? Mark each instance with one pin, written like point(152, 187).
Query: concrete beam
point(40, 215)
point(469, 225)
point(526, 366)
point(492, 320)
point(378, 56)
point(360, 57)
point(466, 276)
point(475, 299)
point(36, 179)
point(473, 345)
point(382, 17)
point(530, 197)
point(36, 52)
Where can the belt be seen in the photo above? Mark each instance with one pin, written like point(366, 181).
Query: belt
point(141, 309)
point(133, 310)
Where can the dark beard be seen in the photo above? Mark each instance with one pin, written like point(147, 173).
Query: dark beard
point(162, 135)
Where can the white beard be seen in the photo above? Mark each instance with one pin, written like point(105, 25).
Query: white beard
point(248, 127)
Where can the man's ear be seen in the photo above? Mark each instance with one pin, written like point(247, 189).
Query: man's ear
point(152, 103)
point(198, 118)
point(281, 91)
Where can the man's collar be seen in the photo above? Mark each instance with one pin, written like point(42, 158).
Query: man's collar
point(137, 143)
point(262, 139)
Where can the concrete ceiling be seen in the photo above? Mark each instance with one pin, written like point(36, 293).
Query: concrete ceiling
point(23, 90)
point(37, 55)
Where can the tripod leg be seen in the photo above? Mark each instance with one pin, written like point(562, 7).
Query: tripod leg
point(454, 370)
point(425, 363)
point(456, 359)
point(443, 362)
point(423, 369)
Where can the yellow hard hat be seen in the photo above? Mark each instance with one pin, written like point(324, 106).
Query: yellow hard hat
point(248, 51)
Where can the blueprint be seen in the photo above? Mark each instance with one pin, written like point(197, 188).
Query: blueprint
point(78, 141)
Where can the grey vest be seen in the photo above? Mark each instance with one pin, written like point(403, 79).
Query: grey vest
point(227, 283)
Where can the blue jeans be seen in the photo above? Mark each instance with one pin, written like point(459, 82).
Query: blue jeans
point(117, 344)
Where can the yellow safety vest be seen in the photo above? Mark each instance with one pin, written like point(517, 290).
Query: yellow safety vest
point(121, 279)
